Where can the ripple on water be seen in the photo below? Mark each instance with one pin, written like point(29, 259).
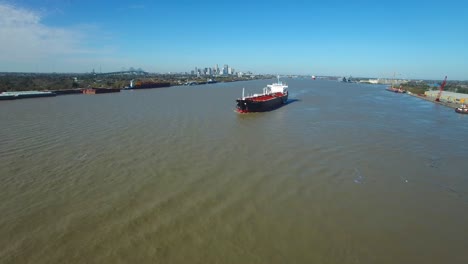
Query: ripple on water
point(175, 175)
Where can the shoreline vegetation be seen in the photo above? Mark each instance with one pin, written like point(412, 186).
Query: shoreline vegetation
point(71, 81)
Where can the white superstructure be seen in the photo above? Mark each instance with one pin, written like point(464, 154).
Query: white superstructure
point(278, 87)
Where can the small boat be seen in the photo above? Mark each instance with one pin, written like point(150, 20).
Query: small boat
point(395, 90)
point(463, 109)
point(273, 96)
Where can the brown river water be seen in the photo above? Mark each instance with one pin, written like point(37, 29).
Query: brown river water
point(344, 173)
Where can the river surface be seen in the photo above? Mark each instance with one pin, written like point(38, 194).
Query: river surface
point(344, 173)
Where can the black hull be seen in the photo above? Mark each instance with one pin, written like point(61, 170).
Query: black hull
point(149, 86)
point(24, 96)
point(69, 91)
point(247, 106)
point(7, 97)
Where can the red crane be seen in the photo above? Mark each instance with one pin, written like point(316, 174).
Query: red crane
point(441, 89)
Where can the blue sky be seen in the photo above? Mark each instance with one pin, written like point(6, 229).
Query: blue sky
point(415, 39)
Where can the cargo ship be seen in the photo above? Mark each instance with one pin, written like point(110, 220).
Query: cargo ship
point(146, 85)
point(24, 94)
point(273, 96)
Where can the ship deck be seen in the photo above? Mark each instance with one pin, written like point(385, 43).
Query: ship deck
point(263, 98)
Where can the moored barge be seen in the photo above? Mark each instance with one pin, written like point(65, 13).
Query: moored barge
point(24, 95)
point(100, 90)
point(146, 85)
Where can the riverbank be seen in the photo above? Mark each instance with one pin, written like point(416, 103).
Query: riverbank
point(430, 99)
point(71, 82)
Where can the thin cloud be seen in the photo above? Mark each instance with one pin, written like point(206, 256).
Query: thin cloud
point(26, 37)
point(26, 40)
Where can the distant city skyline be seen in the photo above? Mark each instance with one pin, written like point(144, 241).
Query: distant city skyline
point(415, 39)
point(215, 71)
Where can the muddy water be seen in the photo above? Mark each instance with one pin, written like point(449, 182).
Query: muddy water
point(344, 173)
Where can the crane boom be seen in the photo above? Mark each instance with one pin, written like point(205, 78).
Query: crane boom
point(441, 89)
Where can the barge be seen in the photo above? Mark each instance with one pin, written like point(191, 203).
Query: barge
point(24, 95)
point(100, 90)
point(146, 85)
